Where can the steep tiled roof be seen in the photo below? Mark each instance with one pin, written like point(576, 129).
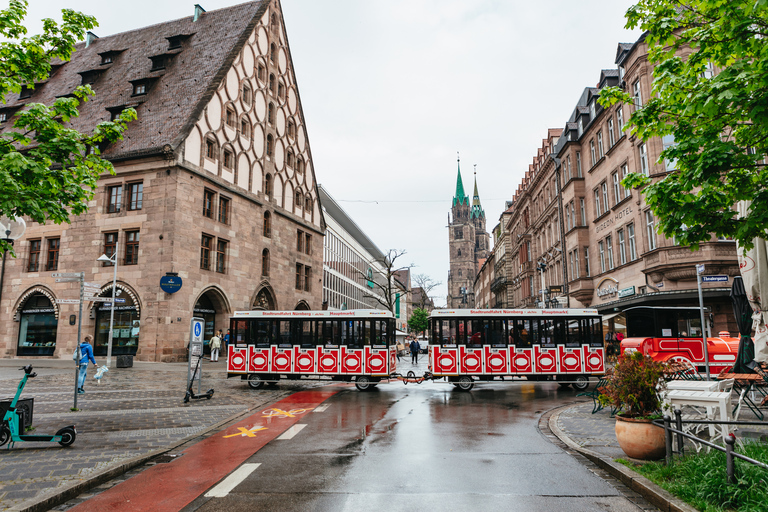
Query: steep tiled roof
point(177, 94)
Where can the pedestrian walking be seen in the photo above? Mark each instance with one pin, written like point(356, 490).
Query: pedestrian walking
point(415, 347)
point(86, 354)
point(226, 342)
point(215, 344)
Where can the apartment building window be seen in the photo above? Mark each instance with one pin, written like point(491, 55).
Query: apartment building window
point(586, 261)
point(573, 214)
point(135, 195)
point(631, 241)
point(568, 167)
point(245, 128)
point(637, 94)
point(604, 190)
point(299, 276)
point(291, 129)
point(208, 199)
point(624, 172)
point(34, 255)
point(272, 84)
point(575, 264)
point(598, 211)
point(650, 230)
point(229, 159)
point(669, 141)
point(568, 218)
point(267, 224)
point(643, 159)
point(261, 72)
point(265, 262)
point(268, 186)
point(206, 245)
point(581, 127)
point(620, 119)
point(223, 210)
point(131, 247)
point(270, 146)
point(611, 136)
point(299, 241)
point(271, 113)
point(280, 90)
point(210, 149)
point(110, 244)
point(592, 151)
point(622, 248)
point(616, 188)
point(578, 164)
point(600, 151)
point(230, 118)
point(307, 279)
point(246, 94)
point(609, 250)
point(583, 212)
point(308, 243)
point(114, 198)
point(221, 255)
point(528, 250)
point(601, 252)
point(52, 262)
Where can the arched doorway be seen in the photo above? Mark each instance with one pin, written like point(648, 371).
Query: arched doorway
point(125, 325)
point(302, 306)
point(213, 308)
point(37, 325)
point(265, 299)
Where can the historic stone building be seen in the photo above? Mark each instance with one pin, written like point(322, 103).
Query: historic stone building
point(214, 186)
point(468, 245)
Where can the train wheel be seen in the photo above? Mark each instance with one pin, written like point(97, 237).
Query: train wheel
point(255, 381)
point(363, 383)
point(465, 383)
point(581, 383)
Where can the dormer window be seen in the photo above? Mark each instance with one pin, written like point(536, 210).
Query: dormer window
point(114, 112)
point(139, 88)
point(106, 59)
point(592, 110)
point(90, 76)
point(109, 56)
point(174, 42)
point(3, 117)
point(26, 92)
point(160, 61)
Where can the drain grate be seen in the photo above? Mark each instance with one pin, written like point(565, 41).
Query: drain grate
point(164, 459)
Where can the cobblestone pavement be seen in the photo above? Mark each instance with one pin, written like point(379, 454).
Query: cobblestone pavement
point(133, 412)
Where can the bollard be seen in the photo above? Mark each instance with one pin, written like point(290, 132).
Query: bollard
point(730, 466)
point(668, 437)
point(679, 427)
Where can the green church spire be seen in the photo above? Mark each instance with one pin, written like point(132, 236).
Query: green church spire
point(460, 197)
point(477, 209)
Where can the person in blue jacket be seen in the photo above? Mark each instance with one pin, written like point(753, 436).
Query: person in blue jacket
point(86, 354)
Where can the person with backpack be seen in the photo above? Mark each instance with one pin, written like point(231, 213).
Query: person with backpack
point(215, 345)
point(85, 354)
point(415, 348)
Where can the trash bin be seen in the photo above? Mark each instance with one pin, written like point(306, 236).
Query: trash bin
point(24, 408)
point(125, 361)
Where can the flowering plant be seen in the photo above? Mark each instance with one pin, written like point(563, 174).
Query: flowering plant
point(634, 384)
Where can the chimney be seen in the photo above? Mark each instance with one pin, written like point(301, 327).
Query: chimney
point(198, 12)
point(89, 38)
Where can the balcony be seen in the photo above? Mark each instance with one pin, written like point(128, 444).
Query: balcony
point(498, 283)
point(679, 263)
point(581, 290)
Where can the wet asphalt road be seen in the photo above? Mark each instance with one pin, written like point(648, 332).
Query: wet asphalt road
point(423, 447)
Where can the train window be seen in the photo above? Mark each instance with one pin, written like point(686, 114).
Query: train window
point(459, 334)
point(475, 333)
point(596, 338)
point(284, 333)
point(535, 332)
point(307, 333)
point(450, 332)
point(573, 334)
point(359, 333)
point(261, 333)
point(240, 331)
point(559, 331)
point(496, 333)
point(547, 333)
point(381, 337)
point(640, 323)
point(523, 337)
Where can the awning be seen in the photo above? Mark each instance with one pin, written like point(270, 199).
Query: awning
point(608, 317)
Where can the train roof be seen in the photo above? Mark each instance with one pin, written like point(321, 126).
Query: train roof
point(347, 313)
point(512, 312)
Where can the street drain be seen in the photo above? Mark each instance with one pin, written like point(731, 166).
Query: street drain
point(164, 459)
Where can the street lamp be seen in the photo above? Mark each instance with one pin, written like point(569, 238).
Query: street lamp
point(11, 229)
point(111, 259)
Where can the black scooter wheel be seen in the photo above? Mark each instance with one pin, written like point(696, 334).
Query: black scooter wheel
point(68, 436)
point(5, 434)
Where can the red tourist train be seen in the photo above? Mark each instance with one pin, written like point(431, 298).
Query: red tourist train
point(540, 344)
point(266, 346)
point(674, 334)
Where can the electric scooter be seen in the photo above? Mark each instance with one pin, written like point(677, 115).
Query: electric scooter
point(9, 431)
point(190, 393)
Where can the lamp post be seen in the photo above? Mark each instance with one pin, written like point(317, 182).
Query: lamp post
point(542, 267)
point(111, 259)
point(11, 229)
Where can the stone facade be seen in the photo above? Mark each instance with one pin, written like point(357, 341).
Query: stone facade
point(214, 184)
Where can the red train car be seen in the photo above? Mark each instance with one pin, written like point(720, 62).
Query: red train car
point(353, 345)
point(468, 345)
point(674, 334)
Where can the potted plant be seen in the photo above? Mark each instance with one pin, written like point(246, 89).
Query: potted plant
point(633, 388)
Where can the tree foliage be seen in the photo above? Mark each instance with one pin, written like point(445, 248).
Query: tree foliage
point(419, 321)
point(719, 120)
point(426, 284)
point(387, 287)
point(48, 170)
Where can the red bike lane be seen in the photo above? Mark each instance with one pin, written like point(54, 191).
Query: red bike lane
point(170, 487)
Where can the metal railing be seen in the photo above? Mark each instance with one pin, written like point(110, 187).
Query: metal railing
point(730, 441)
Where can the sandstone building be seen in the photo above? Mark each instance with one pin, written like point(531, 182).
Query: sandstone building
point(214, 185)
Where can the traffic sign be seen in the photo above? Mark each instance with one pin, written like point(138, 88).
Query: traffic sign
point(91, 288)
point(120, 301)
point(700, 268)
point(92, 285)
point(67, 301)
point(67, 274)
point(99, 299)
point(714, 279)
point(67, 279)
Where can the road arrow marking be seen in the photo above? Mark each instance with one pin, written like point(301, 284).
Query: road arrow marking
point(233, 480)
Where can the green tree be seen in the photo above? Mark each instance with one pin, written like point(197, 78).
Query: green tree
point(48, 170)
point(419, 321)
point(719, 120)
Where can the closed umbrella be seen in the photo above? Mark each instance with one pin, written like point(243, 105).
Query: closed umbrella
point(754, 269)
point(742, 310)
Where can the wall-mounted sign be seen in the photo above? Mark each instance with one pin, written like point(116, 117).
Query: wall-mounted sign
point(627, 292)
point(714, 279)
point(607, 288)
point(556, 289)
point(170, 283)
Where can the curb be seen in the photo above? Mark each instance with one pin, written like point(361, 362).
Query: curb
point(658, 497)
point(63, 494)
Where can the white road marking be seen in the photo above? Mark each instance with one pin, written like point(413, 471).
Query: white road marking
point(321, 408)
point(232, 481)
point(291, 432)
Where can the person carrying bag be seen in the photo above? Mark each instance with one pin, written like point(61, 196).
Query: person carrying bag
point(215, 345)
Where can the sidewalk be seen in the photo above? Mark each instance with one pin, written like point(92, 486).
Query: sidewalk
point(132, 415)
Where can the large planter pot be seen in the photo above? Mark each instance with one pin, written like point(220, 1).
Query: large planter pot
point(640, 439)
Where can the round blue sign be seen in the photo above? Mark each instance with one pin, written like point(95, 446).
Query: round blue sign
point(170, 284)
point(198, 328)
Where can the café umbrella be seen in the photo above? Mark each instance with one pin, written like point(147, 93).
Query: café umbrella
point(742, 310)
point(754, 270)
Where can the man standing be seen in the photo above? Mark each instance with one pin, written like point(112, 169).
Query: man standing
point(86, 353)
point(415, 351)
point(215, 345)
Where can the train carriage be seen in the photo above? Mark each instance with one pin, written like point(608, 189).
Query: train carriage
point(353, 345)
point(540, 344)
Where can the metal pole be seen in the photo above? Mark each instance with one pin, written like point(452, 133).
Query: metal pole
point(541, 269)
point(112, 308)
point(79, 333)
point(668, 438)
point(703, 331)
point(679, 427)
point(2, 278)
point(730, 467)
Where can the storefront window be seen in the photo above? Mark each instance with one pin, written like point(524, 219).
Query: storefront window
point(204, 309)
point(37, 330)
point(125, 326)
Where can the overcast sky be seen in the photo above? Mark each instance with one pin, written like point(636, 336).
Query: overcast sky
point(391, 90)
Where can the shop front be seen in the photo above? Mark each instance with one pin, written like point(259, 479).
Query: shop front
point(37, 326)
point(126, 324)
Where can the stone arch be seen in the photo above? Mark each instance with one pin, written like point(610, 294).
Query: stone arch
point(106, 292)
point(302, 306)
point(26, 295)
point(264, 298)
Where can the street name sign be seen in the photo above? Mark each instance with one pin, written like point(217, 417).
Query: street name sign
point(67, 279)
point(67, 301)
point(99, 299)
point(67, 274)
point(94, 289)
point(92, 285)
point(714, 279)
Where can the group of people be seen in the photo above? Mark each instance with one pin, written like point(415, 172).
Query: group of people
point(613, 342)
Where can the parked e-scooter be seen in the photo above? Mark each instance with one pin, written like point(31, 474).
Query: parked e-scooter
point(9, 431)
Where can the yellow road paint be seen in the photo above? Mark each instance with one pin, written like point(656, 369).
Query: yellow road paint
point(279, 413)
point(244, 432)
